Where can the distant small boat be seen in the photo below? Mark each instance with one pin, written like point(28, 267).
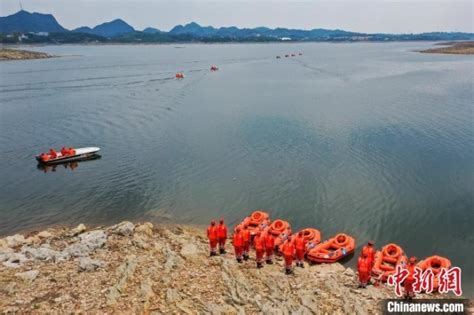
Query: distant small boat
point(179, 75)
point(286, 56)
point(214, 68)
point(301, 54)
point(292, 55)
point(68, 156)
point(278, 57)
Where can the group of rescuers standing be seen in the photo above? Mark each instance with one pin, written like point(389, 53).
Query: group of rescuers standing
point(264, 245)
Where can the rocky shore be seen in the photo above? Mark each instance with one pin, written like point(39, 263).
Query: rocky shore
point(128, 268)
point(15, 54)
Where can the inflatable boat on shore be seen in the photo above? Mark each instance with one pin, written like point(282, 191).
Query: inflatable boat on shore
point(69, 155)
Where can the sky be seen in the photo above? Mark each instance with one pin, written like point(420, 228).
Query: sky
point(370, 16)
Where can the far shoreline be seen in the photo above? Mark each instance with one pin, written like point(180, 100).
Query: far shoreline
point(452, 48)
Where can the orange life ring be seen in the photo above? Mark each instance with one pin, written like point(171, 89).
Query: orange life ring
point(435, 263)
point(341, 240)
point(279, 226)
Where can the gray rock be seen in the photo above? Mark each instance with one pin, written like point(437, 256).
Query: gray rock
point(44, 234)
point(15, 260)
point(87, 264)
point(41, 253)
point(75, 250)
point(94, 239)
point(124, 271)
point(28, 276)
point(5, 254)
point(81, 228)
point(123, 228)
point(15, 240)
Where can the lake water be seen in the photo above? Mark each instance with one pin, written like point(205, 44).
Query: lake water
point(371, 139)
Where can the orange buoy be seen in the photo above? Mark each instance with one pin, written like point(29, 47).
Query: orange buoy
point(333, 249)
point(435, 263)
point(386, 261)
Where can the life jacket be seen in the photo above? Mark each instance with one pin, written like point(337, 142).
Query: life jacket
point(369, 251)
point(222, 231)
point(269, 241)
point(300, 243)
point(52, 153)
point(362, 265)
point(72, 151)
point(212, 233)
point(288, 249)
point(64, 151)
point(259, 242)
point(246, 235)
point(238, 240)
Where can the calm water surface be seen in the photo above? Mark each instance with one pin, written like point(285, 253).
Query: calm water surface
point(375, 140)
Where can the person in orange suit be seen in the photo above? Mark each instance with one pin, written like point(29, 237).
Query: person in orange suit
point(288, 253)
point(238, 242)
point(363, 269)
point(259, 244)
point(300, 247)
point(410, 279)
point(269, 247)
point(246, 237)
point(222, 235)
point(52, 153)
point(212, 236)
point(369, 250)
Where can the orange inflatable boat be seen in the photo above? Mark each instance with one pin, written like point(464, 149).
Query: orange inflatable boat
point(332, 250)
point(386, 261)
point(256, 222)
point(312, 237)
point(435, 263)
point(281, 230)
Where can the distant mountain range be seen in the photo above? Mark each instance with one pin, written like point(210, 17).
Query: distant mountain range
point(110, 29)
point(119, 31)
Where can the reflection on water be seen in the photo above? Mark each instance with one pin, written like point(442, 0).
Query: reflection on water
point(66, 165)
point(374, 140)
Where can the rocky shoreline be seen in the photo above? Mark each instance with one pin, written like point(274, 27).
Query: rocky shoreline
point(15, 54)
point(141, 268)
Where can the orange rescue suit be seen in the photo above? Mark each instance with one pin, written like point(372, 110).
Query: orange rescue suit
point(259, 244)
point(212, 236)
point(363, 269)
point(300, 246)
point(288, 253)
